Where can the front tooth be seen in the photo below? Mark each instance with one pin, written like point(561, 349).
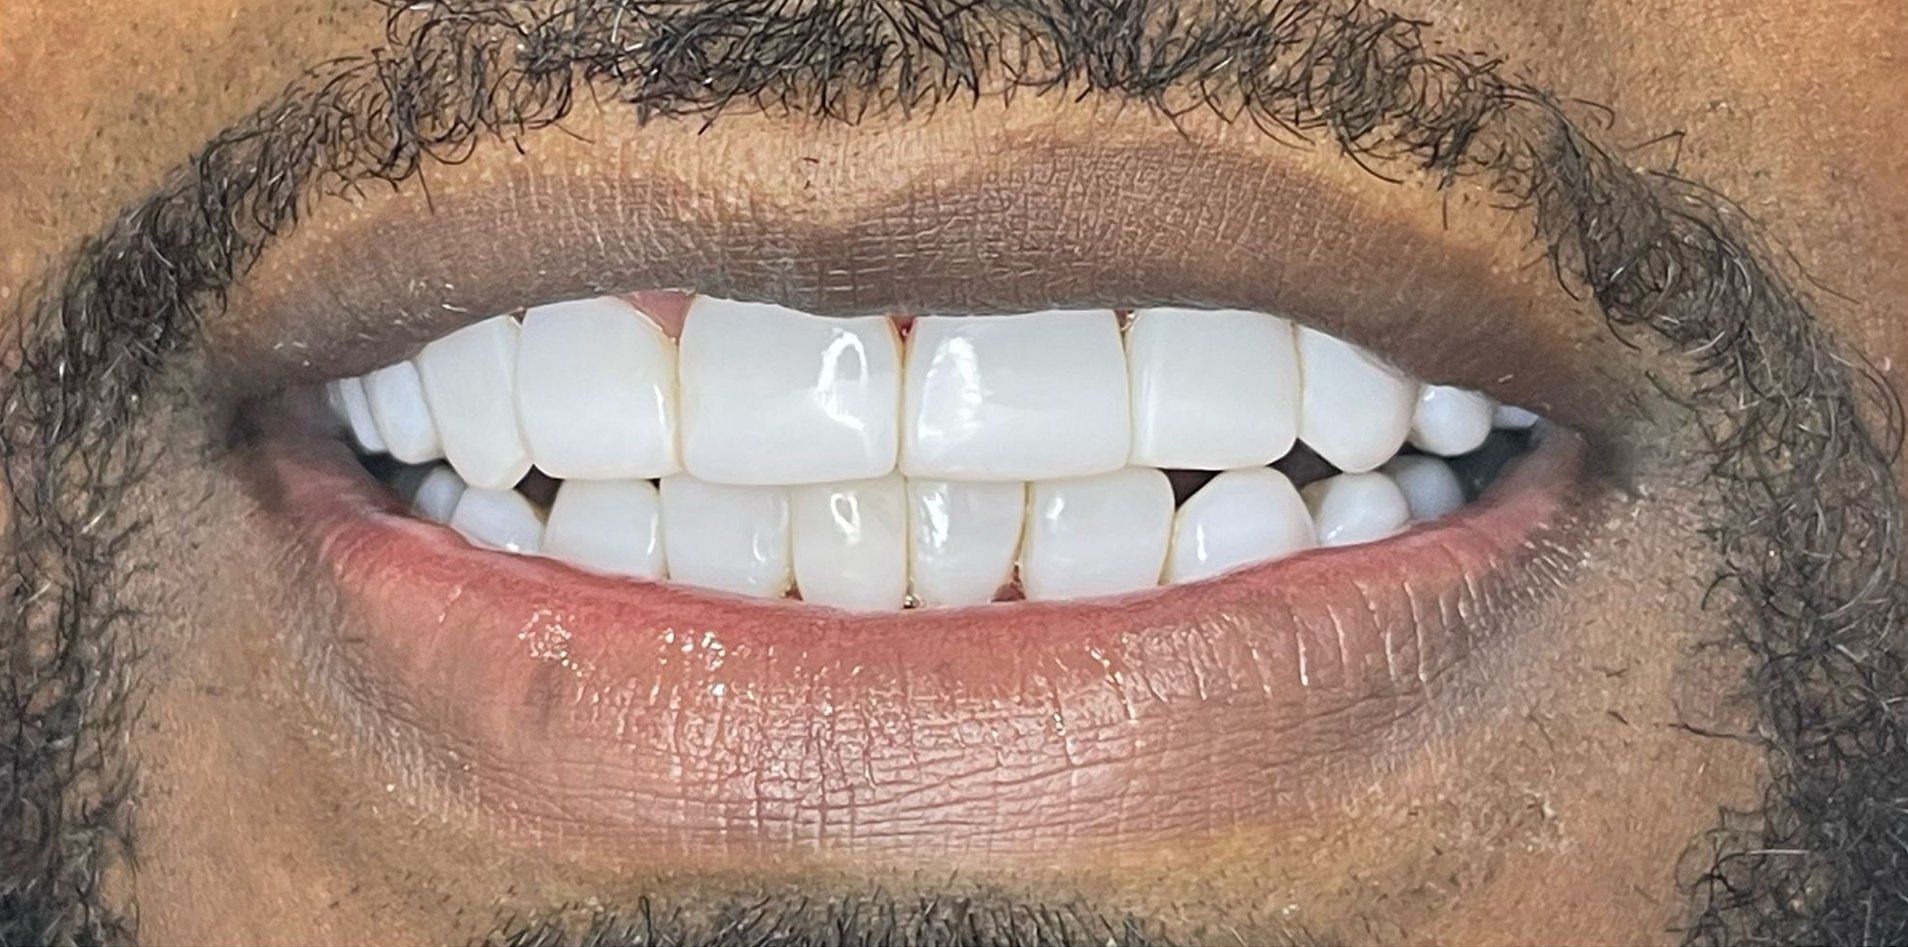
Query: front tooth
point(1238, 517)
point(1450, 421)
point(963, 539)
point(596, 391)
point(1015, 397)
point(611, 526)
point(404, 421)
point(851, 543)
point(499, 519)
point(357, 413)
point(470, 380)
point(437, 494)
point(1211, 390)
point(775, 396)
point(1357, 409)
point(1430, 487)
point(1097, 535)
point(1356, 508)
point(720, 536)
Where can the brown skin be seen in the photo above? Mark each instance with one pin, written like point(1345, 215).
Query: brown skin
point(1560, 807)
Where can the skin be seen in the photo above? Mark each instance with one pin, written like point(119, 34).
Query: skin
point(1563, 807)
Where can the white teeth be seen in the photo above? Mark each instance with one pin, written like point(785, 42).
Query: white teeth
point(851, 543)
point(437, 494)
point(1097, 535)
point(357, 414)
point(1357, 409)
point(1238, 517)
point(1450, 421)
point(732, 538)
point(1015, 397)
point(1356, 508)
point(1510, 417)
point(611, 526)
point(1430, 487)
point(499, 519)
point(1211, 390)
point(470, 379)
point(775, 396)
point(404, 421)
point(963, 539)
point(596, 391)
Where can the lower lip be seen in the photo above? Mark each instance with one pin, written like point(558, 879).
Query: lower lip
point(604, 716)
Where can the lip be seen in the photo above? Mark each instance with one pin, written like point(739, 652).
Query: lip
point(603, 717)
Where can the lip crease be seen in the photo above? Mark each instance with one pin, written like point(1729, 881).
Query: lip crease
point(636, 719)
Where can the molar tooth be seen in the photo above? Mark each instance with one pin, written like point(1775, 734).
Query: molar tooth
point(1510, 417)
point(1357, 409)
point(499, 519)
point(1356, 508)
point(775, 396)
point(1430, 487)
point(1097, 535)
point(963, 539)
point(596, 391)
point(1022, 397)
point(404, 420)
point(1211, 390)
point(610, 526)
point(358, 417)
point(1450, 421)
point(470, 380)
point(851, 543)
point(1238, 517)
point(437, 494)
point(726, 537)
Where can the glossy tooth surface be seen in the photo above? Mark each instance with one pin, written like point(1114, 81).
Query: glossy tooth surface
point(609, 526)
point(962, 539)
point(851, 543)
point(1356, 508)
point(470, 379)
point(404, 420)
point(1430, 487)
point(726, 537)
point(357, 414)
point(334, 400)
point(1356, 410)
point(1238, 517)
point(498, 519)
point(596, 391)
point(1097, 535)
point(1450, 421)
point(1211, 390)
point(1015, 397)
point(775, 396)
point(1510, 417)
point(437, 494)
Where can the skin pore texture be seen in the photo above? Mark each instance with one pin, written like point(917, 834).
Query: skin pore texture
point(1695, 734)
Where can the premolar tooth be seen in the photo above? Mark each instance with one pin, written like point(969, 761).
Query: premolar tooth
point(1211, 390)
point(775, 396)
point(499, 519)
point(727, 537)
point(404, 420)
point(1430, 487)
point(1450, 421)
point(596, 391)
point(1097, 535)
point(437, 494)
point(851, 543)
point(1357, 409)
point(1356, 508)
point(611, 526)
point(470, 379)
point(1015, 397)
point(1239, 517)
point(963, 537)
point(358, 417)
point(1510, 417)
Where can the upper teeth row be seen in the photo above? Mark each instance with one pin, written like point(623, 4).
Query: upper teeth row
point(760, 394)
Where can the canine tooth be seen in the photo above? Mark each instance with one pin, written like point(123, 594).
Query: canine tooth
point(1510, 417)
point(727, 537)
point(470, 380)
point(1430, 487)
point(1211, 390)
point(1097, 535)
point(340, 414)
point(596, 391)
point(851, 543)
point(437, 494)
point(498, 519)
point(775, 396)
point(1356, 508)
point(404, 418)
point(611, 526)
point(963, 537)
point(1357, 409)
point(1450, 421)
point(1238, 517)
point(1015, 397)
point(358, 416)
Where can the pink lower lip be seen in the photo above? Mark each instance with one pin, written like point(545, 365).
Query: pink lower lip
point(609, 717)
